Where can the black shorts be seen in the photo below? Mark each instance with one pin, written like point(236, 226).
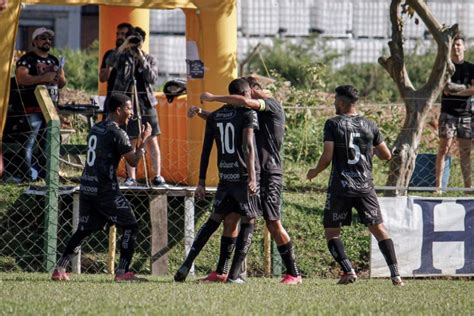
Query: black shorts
point(234, 197)
point(270, 196)
point(94, 214)
point(338, 210)
point(148, 116)
point(451, 126)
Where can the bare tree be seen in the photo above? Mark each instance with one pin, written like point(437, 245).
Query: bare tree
point(418, 102)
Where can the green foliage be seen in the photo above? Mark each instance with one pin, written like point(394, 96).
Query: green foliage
point(81, 67)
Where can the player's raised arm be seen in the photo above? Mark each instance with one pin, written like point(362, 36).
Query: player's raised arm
point(205, 154)
point(234, 100)
point(194, 110)
point(249, 152)
point(324, 160)
point(134, 156)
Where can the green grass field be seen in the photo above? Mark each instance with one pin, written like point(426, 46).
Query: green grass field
point(35, 294)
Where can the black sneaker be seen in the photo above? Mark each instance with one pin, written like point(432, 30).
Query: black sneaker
point(181, 274)
point(158, 180)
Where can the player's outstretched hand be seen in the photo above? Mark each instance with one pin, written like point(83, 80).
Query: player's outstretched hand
point(206, 96)
point(311, 174)
point(146, 131)
point(200, 192)
point(252, 186)
point(192, 111)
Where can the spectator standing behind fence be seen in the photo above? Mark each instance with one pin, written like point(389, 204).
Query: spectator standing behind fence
point(350, 141)
point(456, 114)
point(100, 199)
point(108, 73)
point(138, 70)
point(38, 67)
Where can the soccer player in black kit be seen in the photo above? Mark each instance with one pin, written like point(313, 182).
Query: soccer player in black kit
point(350, 141)
point(271, 119)
point(232, 129)
point(101, 201)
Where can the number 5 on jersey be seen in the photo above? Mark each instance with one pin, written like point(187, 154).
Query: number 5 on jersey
point(355, 148)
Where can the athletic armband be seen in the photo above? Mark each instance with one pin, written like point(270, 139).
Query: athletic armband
point(262, 105)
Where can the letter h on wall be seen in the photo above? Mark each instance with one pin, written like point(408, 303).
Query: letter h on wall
point(430, 236)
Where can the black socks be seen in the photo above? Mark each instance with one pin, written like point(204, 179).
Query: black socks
point(288, 257)
point(202, 237)
point(227, 248)
point(336, 248)
point(388, 251)
point(244, 240)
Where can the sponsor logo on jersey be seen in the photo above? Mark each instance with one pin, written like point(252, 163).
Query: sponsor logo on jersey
point(230, 176)
point(225, 114)
point(228, 165)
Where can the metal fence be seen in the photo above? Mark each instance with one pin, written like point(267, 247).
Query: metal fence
point(38, 216)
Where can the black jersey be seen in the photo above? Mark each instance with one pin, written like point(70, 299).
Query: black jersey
point(225, 126)
point(354, 138)
point(113, 71)
point(271, 119)
point(458, 105)
point(37, 66)
point(106, 144)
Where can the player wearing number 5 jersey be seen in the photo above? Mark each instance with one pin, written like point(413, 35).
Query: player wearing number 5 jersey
point(350, 141)
point(101, 201)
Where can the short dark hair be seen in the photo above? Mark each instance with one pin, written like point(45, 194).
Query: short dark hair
point(253, 82)
point(348, 93)
point(140, 32)
point(125, 25)
point(117, 100)
point(458, 36)
point(238, 86)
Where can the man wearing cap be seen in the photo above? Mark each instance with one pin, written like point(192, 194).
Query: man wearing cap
point(37, 67)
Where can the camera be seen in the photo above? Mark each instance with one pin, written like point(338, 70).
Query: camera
point(135, 39)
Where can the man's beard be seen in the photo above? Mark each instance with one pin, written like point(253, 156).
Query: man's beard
point(44, 48)
point(119, 42)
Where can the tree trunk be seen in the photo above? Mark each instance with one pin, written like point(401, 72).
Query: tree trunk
point(406, 145)
point(417, 102)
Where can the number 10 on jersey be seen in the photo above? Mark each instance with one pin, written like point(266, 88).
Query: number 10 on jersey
point(227, 134)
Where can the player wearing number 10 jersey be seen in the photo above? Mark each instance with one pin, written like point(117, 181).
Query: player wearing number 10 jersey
point(350, 141)
point(232, 129)
point(100, 200)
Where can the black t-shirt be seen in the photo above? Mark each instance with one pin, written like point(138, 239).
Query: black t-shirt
point(354, 138)
point(37, 65)
point(458, 105)
point(225, 126)
point(270, 136)
point(113, 71)
point(106, 144)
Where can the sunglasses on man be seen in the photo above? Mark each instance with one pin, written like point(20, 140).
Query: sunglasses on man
point(45, 38)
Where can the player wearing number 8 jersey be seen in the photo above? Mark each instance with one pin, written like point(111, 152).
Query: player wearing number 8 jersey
point(101, 201)
point(350, 140)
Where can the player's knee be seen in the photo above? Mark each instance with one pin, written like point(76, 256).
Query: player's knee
point(247, 220)
point(216, 217)
point(379, 231)
point(274, 226)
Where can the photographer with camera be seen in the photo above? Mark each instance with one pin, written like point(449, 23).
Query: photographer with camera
point(136, 72)
point(107, 73)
